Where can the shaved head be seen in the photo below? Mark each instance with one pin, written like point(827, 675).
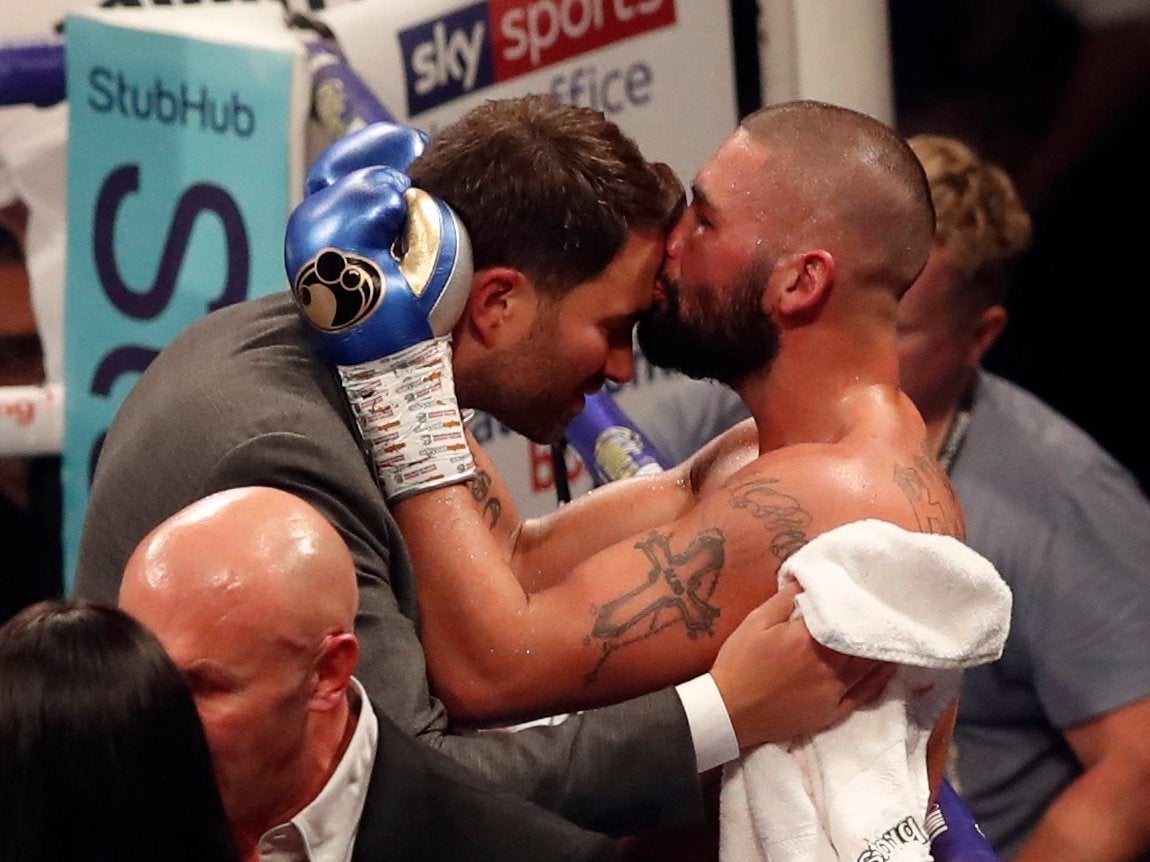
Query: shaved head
point(258, 548)
point(253, 594)
point(852, 179)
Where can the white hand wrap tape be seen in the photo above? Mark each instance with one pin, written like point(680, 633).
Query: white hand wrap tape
point(407, 413)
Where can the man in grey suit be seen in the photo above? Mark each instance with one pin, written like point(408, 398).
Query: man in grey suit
point(240, 398)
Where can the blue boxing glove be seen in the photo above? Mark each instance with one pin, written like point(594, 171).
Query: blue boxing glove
point(380, 144)
point(381, 272)
point(376, 265)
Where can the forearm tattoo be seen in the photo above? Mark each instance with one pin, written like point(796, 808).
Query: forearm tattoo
point(933, 513)
point(492, 507)
point(676, 588)
point(782, 515)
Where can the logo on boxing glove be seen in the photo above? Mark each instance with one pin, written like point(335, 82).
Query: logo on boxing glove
point(336, 290)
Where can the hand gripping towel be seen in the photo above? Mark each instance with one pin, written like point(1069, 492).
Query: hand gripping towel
point(858, 791)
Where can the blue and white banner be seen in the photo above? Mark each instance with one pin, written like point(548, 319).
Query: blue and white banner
point(184, 155)
point(662, 69)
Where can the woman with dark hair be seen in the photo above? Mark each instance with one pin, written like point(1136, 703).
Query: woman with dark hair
point(102, 755)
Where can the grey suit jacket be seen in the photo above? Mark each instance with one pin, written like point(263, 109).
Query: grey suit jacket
point(240, 399)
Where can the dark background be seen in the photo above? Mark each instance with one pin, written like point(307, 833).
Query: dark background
point(1001, 75)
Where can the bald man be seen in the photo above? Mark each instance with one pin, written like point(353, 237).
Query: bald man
point(253, 594)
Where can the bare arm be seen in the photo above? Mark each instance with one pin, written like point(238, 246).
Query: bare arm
point(542, 549)
point(938, 747)
point(495, 651)
point(640, 614)
point(538, 550)
point(1102, 816)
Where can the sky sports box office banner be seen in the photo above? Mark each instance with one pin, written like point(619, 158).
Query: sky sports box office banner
point(185, 156)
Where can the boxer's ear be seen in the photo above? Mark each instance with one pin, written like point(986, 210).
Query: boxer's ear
point(800, 284)
point(502, 306)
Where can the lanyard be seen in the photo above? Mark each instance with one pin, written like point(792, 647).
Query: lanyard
point(956, 433)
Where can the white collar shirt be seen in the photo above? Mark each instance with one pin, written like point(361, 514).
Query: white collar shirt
point(324, 831)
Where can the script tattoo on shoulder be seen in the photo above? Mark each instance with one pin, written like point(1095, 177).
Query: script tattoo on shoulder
point(676, 589)
point(782, 515)
point(934, 512)
point(480, 486)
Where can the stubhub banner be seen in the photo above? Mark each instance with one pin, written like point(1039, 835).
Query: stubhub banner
point(497, 41)
point(185, 150)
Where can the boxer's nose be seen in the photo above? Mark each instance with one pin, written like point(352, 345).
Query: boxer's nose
point(620, 364)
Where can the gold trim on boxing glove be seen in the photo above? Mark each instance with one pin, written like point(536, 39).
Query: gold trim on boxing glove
point(421, 240)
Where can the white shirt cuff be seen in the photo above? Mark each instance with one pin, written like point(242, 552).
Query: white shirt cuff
point(711, 730)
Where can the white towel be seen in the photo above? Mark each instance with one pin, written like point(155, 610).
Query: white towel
point(859, 790)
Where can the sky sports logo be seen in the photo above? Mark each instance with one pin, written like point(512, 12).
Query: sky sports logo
point(497, 40)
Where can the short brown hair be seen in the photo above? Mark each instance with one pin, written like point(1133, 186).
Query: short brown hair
point(547, 188)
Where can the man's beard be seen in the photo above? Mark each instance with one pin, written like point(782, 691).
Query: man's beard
point(726, 342)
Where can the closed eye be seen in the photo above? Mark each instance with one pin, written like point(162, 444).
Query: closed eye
point(701, 208)
point(620, 329)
